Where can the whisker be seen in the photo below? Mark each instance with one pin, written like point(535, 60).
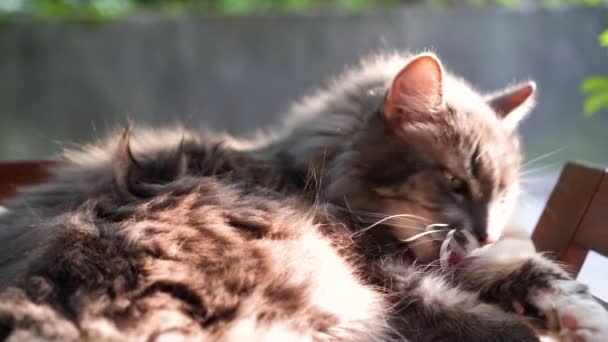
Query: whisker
point(350, 210)
point(405, 226)
point(382, 221)
point(532, 179)
point(526, 195)
point(536, 203)
point(540, 168)
point(415, 237)
point(382, 215)
point(544, 156)
point(404, 220)
point(425, 241)
point(399, 223)
point(437, 225)
point(443, 251)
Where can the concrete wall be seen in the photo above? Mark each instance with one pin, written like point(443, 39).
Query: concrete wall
point(67, 82)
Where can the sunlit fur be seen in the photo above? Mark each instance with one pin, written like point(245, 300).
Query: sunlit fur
point(342, 137)
point(295, 236)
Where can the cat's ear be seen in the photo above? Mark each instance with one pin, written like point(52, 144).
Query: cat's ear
point(513, 103)
point(417, 88)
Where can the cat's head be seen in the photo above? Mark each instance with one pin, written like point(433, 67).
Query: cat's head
point(437, 153)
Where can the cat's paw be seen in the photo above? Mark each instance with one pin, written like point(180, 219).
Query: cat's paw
point(572, 311)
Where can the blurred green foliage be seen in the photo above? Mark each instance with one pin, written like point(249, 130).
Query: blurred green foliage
point(596, 88)
point(68, 9)
point(108, 9)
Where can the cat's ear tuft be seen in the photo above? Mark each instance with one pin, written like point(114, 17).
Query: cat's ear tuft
point(513, 103)
point(124, 162)
point(417, 88)
point(179, 160)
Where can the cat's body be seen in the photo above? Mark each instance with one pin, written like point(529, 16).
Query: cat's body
point(173, 234)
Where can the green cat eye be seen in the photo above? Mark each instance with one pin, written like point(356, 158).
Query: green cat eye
point(457, 185)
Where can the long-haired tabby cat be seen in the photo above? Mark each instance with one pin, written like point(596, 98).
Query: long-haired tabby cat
point(329, 230)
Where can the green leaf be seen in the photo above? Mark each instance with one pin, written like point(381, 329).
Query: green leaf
point(234, 6)
point(111, 8)
point(595, 103)
point(591, 2)
point(603, 38)
point(509, 3)
point(594, 84)
point(363, 4)
point(295, 5)
point(92, 10)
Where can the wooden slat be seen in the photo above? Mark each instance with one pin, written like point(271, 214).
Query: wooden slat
point(14, 174)
point(566, 208)
point(574, 257)
point(593, 231)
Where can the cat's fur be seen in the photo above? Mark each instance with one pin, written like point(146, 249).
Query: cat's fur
point(177, 234)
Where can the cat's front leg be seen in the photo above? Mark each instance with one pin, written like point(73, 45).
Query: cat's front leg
point(511, 274)
point(428, 308)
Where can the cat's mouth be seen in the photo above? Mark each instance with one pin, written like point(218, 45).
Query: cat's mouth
point(448, 252)
point(454, 259)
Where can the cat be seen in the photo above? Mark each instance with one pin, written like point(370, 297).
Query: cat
point(329, 229)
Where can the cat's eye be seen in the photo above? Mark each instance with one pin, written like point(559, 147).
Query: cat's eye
point(456, 184)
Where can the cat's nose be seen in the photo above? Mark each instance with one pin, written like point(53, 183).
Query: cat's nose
point(484, 239)
point(480, 225)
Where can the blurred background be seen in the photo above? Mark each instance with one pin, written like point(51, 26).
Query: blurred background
point(70, 70)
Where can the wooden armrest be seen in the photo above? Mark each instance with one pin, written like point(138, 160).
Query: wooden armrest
point(14, 174)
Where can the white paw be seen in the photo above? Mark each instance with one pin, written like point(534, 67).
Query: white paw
point(572, 310)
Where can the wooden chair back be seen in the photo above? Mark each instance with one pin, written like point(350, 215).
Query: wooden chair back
point(575, 219)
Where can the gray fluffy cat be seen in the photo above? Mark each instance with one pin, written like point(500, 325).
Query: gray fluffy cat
point(331, 229)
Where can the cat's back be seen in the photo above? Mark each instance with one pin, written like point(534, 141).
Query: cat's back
point(194, 258)
point(88, 173)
